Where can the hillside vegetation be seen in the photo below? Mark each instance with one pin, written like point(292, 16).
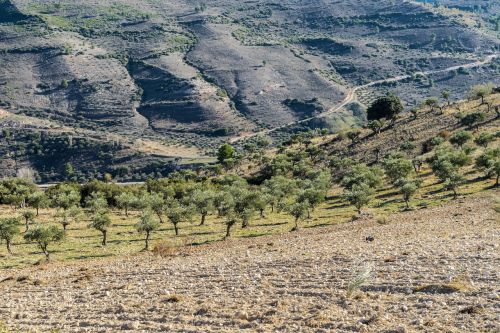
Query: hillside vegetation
point(189, 76)
point(414, 161)
point(406, 242)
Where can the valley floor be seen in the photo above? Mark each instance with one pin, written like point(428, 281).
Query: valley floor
point(434, 270)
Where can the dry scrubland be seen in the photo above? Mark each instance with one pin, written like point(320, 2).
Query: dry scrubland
point(433, 270)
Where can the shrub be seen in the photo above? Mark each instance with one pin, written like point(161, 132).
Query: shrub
point(9, 228)
point(460, 138)
point(44, 236)
point(489, 162)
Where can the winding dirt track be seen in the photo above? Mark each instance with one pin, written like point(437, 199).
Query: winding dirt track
point(351, 95)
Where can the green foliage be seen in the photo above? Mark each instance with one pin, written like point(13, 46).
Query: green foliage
point(472, 119)
point(203, 201)
point(482, 91)
point(298, 210)
point(177, 213)
point(126, 201)
point(38, 200)
point(484, 139)
point(44, 236)
point(9, 228)
point(225, 153)
point(96, 203)
point(359, 195)
point(101, 222)
point(388, 107)
point(460, 138)
point(16, 191)
point(64, 195)
point(489, 162)
point(362, 174)
point(147, 224)
point(68, 216)
point(446, 164)
point(29, 217)
point(397, 167)
point(376, 125)
point(408, 188)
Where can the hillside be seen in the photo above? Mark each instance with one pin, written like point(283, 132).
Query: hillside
point(188, 76)
point(327, 232)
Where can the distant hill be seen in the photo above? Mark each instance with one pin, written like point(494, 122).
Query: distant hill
point(184, 76)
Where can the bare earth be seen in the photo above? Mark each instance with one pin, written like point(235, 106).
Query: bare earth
point(294, 282)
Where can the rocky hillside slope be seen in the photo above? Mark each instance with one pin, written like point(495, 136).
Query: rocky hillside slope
point(197, 73)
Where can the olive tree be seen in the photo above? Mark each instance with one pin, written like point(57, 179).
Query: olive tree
point(397, 167)
point(489, 162)
point(9, 228)
point(298, 210)
point(29, 217)
point(446, 164)
point(101, 222)
point(482, 91)
point(68, 216)
point(359, 195)
point(203, 201)
point(177, 213)
point(408, 188)
point(360, 184)
point(44, 236)
point(38, 200)
point(147, 224)
point(126, 201)
point(460, 138)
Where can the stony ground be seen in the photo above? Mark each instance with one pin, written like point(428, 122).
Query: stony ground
point(434, 270)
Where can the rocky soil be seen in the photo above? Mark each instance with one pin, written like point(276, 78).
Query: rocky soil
point(433, 270)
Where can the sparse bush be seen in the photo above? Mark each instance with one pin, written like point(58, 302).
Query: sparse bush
point(9, 228)
point(44, 236)
point(361, 275)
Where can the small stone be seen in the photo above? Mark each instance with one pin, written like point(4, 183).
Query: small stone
point(242, 315)
point(133, 325)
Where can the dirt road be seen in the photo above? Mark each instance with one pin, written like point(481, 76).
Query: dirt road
point(351, 95)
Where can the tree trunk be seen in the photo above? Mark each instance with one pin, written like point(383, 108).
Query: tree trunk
point(407, 202)
point(126, 211)
point(296, 224)
point(64, 227)
point(308, 214)
point(498, 180)
point(146, 248)
point(47, 254)
point(27, 225)
point(159, 216)
point(244, 224)
point(262, 213)
point(8, 246)
point(272, 208)
point(203, 217)
point(228, 230)
point(104, 236)
point(37, 211)
point(455, 194)
point(176, 229)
